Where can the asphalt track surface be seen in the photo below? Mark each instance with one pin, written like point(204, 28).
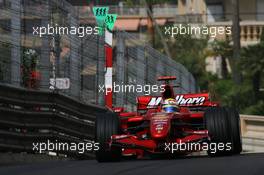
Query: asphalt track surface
point(246, 164)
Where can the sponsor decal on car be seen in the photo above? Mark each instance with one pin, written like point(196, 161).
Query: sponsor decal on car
point(189, 101)
point(181, 100)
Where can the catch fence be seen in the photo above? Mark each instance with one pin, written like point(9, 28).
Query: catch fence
point(30, 61)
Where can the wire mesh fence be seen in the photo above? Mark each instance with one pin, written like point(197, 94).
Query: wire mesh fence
point(136, 63)
point(31, 61)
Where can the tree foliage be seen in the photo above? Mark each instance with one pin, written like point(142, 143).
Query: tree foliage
point(246, 97)
point(29, 63)
point(190, 52)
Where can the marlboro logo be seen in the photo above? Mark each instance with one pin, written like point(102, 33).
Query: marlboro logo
point(189, 101)
point(181, 100)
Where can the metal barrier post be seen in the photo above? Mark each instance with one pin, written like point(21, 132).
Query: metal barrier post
point(120, 64)
point(15, 40)
point(75, 60)
point(44, 63)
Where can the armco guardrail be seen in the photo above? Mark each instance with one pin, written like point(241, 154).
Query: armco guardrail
point(29, 116)
point(252, 129)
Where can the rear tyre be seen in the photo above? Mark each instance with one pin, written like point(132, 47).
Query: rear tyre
point(107, 124)
point(223, 128)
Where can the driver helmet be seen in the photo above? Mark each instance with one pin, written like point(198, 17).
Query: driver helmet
point(169, 105)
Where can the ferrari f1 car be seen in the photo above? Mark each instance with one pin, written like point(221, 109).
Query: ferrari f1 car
point(165, 129)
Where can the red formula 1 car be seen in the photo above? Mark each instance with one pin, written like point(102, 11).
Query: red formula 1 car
point(198, 124)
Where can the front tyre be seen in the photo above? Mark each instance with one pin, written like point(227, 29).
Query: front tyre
point(234, 125)
point(107, 124)
point(224, 129)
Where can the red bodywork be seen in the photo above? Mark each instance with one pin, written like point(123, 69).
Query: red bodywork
point(149, 129)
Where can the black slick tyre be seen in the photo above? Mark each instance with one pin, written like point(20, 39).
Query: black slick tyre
point(107, 124)
point(217, 124)
point(234, 125)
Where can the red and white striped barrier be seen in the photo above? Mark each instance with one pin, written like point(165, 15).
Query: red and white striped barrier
point(108, 68)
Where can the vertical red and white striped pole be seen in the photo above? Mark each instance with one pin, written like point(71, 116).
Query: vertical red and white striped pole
point(108, 68)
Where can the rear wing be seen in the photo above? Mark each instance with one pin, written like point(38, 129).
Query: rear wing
point(184, 100)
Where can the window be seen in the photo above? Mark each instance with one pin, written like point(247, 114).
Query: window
point(214, 12)
point(260, 10)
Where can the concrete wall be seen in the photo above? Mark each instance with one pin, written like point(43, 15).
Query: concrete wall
point(252, 130)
